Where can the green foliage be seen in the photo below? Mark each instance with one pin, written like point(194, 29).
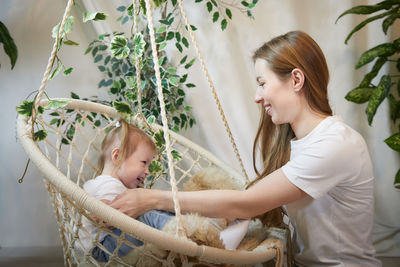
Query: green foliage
point(26, 108)
point(221, 11)
point(377, 96)
point(120, 73)
point(8, 44)
point(96, 16)
point(385, 53)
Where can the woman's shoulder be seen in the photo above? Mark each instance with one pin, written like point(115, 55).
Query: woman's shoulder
point(333, 140)
point(333, 130)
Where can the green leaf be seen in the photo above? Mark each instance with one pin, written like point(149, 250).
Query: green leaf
point(173, 80)
point(160, 39)
point(162, 46)
point(161, 29)
point(190, 85)
point(183, 79)
point(96, 16)
point(119, 47)
point(121, 8)
point(67, 28)
point(183, 60)
point(372, 74)
point(214, 3)
point(215, 16)
point(116, 84)
point(394, 108)
point(139, 43)
point(98, 58)
point(389, 21)
point(70, 42)
point(170, 35)
point(39, 135)
point(394, 142)
point(178, 36)
point(74, 96)
point(224, 23)
point(68, 71)
point(88, 50)
point(363, 10)
point(209, 7)
point(159, 138)
point(360, 95)
point(151, 119)
point(244, 3)
point(365, 22)
point(130, 10)
point(130, 96)
point(26, 107)
point(377, 96)
point(155, 167)
point(171, 71)
point(55, 104)
point(188, 65)
point(131, 82)
point(181, 92)
point(122, 107)
point(397, 180)
point(176, 155)
point(56, 71)
point(178, 45)
point(185, 42)
point(382, 50)
point(8, 44)
point(228, 13)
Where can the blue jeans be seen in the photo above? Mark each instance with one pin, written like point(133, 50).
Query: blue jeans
point(154, 218)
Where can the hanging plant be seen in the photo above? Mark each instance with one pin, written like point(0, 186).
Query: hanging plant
point(117, 54)
point(388, 87)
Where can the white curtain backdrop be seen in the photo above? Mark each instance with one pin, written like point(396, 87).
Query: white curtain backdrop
point(26, 218)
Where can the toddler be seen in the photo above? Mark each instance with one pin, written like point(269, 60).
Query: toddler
point(126, 153)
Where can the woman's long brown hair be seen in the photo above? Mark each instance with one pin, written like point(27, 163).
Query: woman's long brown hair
point(284, 53)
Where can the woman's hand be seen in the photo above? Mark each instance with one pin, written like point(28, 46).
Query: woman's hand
point(134, 202)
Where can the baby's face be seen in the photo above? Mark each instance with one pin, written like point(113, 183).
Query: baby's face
point(135, 168)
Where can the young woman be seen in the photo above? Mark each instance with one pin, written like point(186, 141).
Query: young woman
point(314, 163)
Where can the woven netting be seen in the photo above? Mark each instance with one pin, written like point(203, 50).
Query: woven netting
point(67, 158)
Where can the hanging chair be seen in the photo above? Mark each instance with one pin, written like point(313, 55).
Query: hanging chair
point(67, 167)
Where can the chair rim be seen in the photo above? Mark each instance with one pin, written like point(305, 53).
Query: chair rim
point(122, 221)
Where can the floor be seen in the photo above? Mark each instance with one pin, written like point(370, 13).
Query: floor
point(53, 257)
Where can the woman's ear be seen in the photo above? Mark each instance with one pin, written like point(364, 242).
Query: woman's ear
point(298, 79)
point(114, 155)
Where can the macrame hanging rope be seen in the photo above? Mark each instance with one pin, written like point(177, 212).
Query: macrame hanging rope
point(50, 62)
point(137, 61)
point(211, 85)
point(149, 14)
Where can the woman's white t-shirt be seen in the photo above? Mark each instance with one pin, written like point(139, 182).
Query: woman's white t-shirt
point(334, 225)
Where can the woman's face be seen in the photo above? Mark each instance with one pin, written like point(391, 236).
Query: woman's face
point(278, 97)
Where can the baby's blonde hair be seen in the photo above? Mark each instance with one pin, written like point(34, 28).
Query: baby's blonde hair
point(127, 137)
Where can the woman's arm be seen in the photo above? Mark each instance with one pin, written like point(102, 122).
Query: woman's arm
point(273, 191)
